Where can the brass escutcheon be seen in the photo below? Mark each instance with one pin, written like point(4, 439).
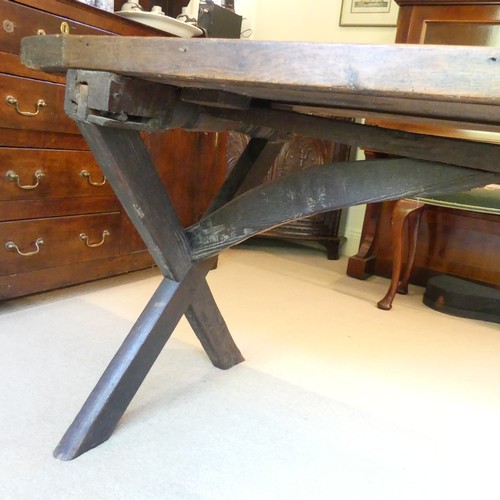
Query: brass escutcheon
point(8, 25)
point(64, 28)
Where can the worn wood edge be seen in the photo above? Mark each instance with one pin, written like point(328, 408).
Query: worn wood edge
point(43, 53)
point(325, 188)
point(353, 69)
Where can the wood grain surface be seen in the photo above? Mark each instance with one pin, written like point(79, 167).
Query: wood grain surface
point(323, 188)
point(460, 84)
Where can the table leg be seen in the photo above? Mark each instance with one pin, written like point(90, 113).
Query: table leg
point(210, 328)
point(249, 172)
point(125, 162)
point(100, 414)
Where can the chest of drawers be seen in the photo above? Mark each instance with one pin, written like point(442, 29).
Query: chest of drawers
point(60, 223)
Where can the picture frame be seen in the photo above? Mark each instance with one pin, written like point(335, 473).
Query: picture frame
point(369, 13)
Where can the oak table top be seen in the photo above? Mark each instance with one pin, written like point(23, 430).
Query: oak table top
point(450, 84)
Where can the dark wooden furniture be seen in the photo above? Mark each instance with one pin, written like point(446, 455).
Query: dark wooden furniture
point(242, 86)
point(295, 155)
point(51, 189)
point(458, 243)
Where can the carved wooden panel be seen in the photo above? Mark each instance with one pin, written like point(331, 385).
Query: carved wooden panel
point(236, 144)
point(299, 154)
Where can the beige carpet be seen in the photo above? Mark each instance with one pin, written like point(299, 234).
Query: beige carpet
point(336, 399)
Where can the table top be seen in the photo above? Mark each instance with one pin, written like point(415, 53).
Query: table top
point(448, 85)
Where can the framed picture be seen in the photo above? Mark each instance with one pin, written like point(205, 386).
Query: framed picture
point(369, 13)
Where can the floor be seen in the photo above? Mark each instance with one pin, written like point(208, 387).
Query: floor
point(336, 399)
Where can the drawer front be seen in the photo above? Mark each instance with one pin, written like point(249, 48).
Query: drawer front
point(42, 174)
point(58, 241)
point(19, 21)
point(131, 240)
point(27, 104)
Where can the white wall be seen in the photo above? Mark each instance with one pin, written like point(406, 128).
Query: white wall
point(297, 20)
point(311, 21)
point(247, 9)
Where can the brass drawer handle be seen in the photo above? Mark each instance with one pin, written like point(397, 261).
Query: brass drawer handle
point(12, 176)
point(86, 174)
point(12, 101)
point(85, 238)
point(10, 245)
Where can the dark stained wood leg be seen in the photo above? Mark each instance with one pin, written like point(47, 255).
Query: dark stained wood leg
point(321, 189)
point(210, 328)
point(332, 247)
point(203, 314)
point(401, 212)
point(249, 171)
point(413, 224)
point(125, 161)
point(111, 396)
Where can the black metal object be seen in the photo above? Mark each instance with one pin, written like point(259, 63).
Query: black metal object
point(459, 297)
point(219, 22)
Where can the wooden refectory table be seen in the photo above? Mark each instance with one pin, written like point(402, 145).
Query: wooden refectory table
point(119, 86)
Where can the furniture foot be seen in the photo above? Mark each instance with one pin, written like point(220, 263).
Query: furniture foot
point(333, 247)
point(361, 265)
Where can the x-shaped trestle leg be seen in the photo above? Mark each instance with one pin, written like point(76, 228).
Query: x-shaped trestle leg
point(126, 163)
